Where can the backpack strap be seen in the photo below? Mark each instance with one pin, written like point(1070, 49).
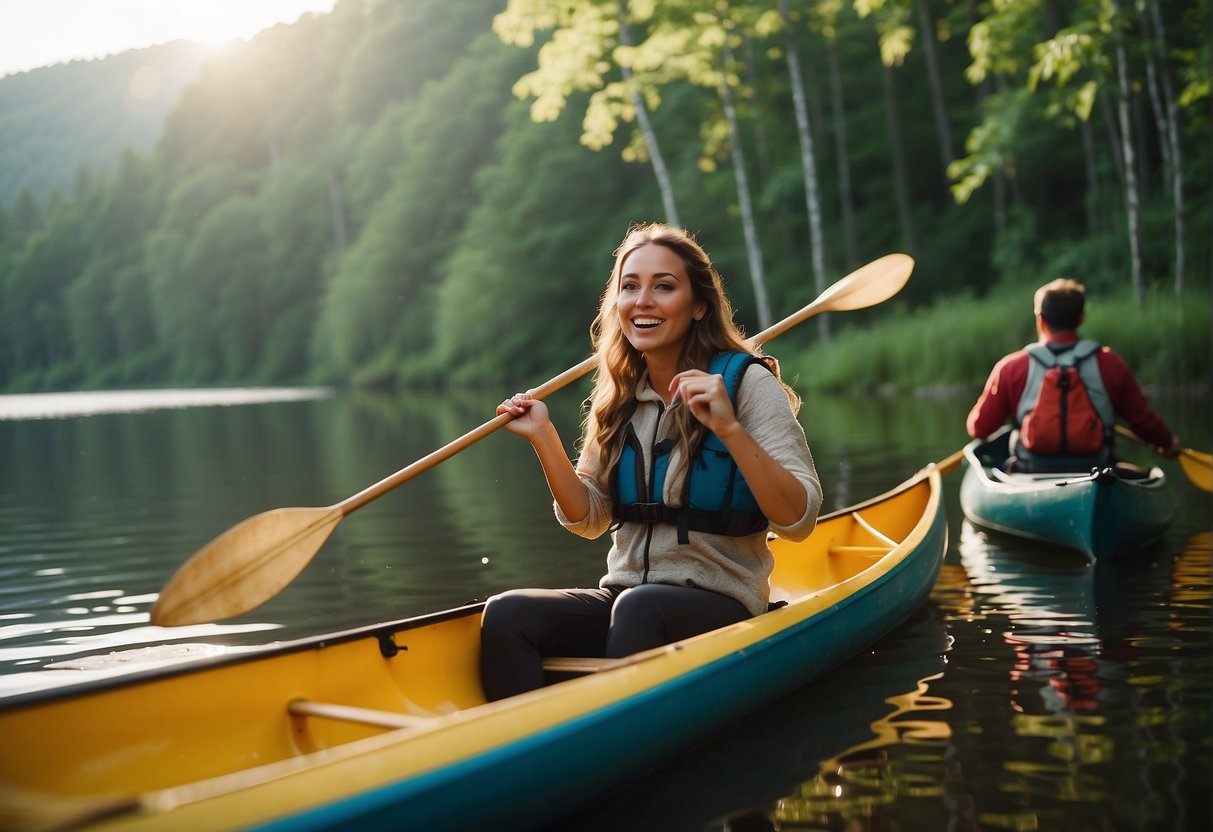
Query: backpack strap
point(1044, 357)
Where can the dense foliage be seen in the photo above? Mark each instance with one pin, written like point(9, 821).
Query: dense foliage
point(62, 120)
point(415, 192)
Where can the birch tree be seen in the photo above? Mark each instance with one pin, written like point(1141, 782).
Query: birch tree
point(1128, 151)
point(695, 41)
point(894, 38)
point(892, 18)
point(808, 163)
point(1173, 158)
point(827, 14)
point(749, 225)
point(1072, 70)
point(590, 38)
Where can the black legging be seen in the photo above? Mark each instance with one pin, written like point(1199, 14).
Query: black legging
point(522, 626)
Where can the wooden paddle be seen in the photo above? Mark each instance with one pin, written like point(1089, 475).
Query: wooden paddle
point(1196, 464)
point(252, 561)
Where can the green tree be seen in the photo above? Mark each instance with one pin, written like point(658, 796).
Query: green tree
point(534, 257)
point(589, 39)
point(38, 275)
point(378, 309)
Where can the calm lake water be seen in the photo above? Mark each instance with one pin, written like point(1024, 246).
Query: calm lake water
point(1031, 692)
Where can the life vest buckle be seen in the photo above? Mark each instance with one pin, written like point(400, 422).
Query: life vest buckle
point(647, 512)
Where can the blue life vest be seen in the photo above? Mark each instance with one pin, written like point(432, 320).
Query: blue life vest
point(716, 498)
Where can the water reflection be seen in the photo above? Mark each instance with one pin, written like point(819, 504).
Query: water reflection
point(1093, 692)
point(1048, 599)
point(850, 785)
point(812, 760)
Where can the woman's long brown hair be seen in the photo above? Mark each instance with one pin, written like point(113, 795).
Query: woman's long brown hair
point(620, 365)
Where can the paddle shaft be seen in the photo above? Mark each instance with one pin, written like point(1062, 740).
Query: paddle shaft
point(252, 561)
point(470, 438)
point(1125, 432)
point(855, 291)
point(1196, 465)
point(950, 462)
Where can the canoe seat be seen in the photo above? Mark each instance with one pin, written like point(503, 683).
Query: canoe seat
point(347, 713)
point(578, 664)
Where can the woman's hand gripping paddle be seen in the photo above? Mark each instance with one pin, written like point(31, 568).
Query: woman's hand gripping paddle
point(252, 561)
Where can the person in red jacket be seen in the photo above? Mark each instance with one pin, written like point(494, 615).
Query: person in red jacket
point(1011, 390)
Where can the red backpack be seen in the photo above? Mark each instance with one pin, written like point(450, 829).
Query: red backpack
point(1063, 420)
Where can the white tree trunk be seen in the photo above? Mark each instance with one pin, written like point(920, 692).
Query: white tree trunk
point(753, 250)
point(929, 39)
point(646, 130)
point(842, 160)
point(1171, 122)
point(900, 181)
point(1132, 198)
point(808, 165)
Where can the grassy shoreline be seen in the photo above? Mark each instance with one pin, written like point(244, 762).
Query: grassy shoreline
point(948, 348)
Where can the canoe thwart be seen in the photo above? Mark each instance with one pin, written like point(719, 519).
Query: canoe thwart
point(348, 713)
point(872, 530)
point(870, 551)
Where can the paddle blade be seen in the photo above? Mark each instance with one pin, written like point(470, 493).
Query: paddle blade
point(866, 286)
point(869, 285)
point(1199, 468)
point(245, 566)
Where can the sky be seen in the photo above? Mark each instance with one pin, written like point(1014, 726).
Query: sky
point(38, 33)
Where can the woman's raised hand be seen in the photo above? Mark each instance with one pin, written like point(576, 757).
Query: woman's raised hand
point(530, 414)
point(707, 398)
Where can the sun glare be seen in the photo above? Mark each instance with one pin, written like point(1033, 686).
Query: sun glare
point(35, 33)
point(218, 23)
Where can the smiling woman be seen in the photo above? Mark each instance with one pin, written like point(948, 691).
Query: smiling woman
point(83, 30)
point(688, 493)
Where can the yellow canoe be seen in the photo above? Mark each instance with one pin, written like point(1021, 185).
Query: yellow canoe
point(387, 726)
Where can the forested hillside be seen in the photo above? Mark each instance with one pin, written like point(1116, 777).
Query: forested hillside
point(60, 120)
point(409, 192)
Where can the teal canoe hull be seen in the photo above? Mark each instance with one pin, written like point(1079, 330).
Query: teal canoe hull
point(1100, 516)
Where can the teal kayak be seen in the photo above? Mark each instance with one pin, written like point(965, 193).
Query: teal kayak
point(1100, 513)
